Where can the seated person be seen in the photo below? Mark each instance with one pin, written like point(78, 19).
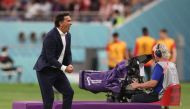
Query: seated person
point(7, 65)
point(163, 75)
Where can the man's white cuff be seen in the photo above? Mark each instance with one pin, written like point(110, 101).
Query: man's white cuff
point(63, 68)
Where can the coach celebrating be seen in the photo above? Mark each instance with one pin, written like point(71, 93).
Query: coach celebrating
point(54, 61)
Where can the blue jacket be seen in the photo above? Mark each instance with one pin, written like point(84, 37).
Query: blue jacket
point(51, 50)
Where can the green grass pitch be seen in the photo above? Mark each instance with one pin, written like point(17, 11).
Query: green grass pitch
point(16, 92)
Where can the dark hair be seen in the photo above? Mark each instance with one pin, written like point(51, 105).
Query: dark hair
point(21, 37)
point(117, 12)
point(33, 37)
point(115, 34)
point(60, 17)
point(145, 31)
point(5, 48)
point(164, 30)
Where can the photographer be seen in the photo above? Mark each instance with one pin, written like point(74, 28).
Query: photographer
point(164, 74)
point(7, 65)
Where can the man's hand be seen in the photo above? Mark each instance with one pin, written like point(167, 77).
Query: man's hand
point(135, 85)
point(69, 69)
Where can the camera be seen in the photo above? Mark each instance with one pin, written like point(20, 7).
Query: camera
point(116, 82)
point(134, 65)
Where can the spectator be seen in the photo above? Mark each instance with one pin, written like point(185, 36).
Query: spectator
point(21, 37)
point(105, 9)
point(8, 4)
point(117, 18)
point(7, 65)
point(95, 5)
point(45, 9)
point(84, 5)
point(42, 9)
point(169, 43)
point(21, 5)
point(74, 6)
point(117, 5)
point(71, 5)
point(144, 45)
point(33, 38)
point(127, 9)
point(38, 9)
point(56, 6)
point(1, 6)
point(32, 9)
point(116, 51)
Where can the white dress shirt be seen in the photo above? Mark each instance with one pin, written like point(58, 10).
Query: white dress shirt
point(60, 59)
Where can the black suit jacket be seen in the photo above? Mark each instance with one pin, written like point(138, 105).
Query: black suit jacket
point(51, 50)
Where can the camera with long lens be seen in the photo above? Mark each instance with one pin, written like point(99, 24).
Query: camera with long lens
point(134, 66)
point(115, 82)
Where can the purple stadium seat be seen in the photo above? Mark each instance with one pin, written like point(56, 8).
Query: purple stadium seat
point(87, 105)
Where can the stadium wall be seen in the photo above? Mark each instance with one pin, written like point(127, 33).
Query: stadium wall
point(84, 35)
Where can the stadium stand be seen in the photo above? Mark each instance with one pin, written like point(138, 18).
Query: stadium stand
point(86, 10)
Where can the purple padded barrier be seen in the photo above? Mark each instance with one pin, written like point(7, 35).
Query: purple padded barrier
point(87, 105)
point(27, 105)
point(105, 105)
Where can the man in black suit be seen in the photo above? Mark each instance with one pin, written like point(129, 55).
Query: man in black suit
point(54, 61)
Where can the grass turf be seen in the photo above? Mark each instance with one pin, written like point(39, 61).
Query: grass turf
point(16, 92)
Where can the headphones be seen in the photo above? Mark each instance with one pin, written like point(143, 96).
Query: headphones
point(158, 52)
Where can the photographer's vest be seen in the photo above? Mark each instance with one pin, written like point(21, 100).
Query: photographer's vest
point(170, 75)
